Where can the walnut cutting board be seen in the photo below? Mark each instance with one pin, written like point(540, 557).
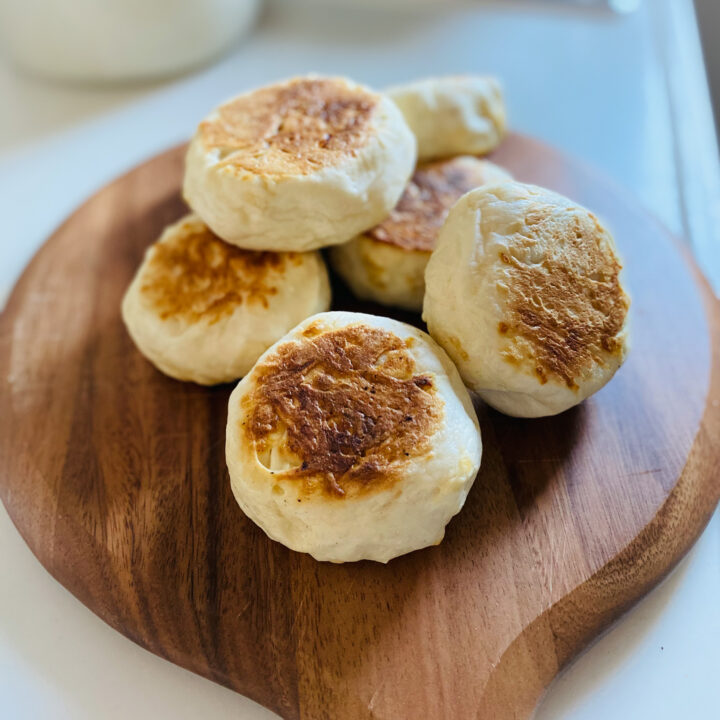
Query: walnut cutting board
point(115, 476)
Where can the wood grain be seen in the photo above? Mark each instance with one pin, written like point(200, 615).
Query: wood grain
point(115, 476)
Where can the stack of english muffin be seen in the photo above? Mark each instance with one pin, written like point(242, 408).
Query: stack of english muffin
point(353, 436)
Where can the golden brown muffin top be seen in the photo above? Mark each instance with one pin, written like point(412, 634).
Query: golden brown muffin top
point(433, 189)
point(565, 307)
point(191, 274)
point(297, 127)
point(346, 406)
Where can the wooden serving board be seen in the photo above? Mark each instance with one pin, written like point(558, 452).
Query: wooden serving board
point(115, 476)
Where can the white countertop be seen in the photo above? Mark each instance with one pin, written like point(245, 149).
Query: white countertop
point(624, 93)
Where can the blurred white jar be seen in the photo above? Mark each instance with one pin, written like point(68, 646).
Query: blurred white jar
point(98, 40)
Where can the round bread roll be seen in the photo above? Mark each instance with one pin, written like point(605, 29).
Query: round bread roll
point(202, 310)
point(387, 263)
point(524, 291)
point(454, 115)
point(352, 438)
point(299, 165)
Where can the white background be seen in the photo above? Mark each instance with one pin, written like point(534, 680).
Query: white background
point(606, 88)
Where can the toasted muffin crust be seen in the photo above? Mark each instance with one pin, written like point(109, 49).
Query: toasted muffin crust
point(564, 310)
point(344, 408)
point(433, 189)
point(296, 127)
point(193, 275)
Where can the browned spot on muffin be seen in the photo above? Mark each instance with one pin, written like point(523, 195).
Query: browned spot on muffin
point(348, 407)
point(313, 329)
point(566, 308)
point(433, 189)
point(194, 275)
point(298, 127)
point(456, 344)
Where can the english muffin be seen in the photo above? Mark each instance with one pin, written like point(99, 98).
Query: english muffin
point(387, 263)
point(298, 165)
point(202, 310)
point(456, 115)
point(352, 438)
point(525, 293)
